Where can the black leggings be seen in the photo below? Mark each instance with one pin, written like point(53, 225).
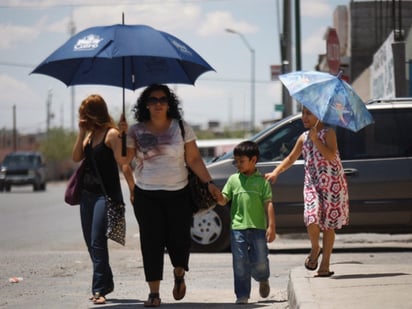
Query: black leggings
point(164, 219)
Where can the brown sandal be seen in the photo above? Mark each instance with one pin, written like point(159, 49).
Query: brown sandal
point(179, 289)
point(312, 264)
point(98, 299)
point(324, 274)
point(153, 300)
point(108, 291)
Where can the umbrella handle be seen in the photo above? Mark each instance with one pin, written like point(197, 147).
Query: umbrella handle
point(123, 144)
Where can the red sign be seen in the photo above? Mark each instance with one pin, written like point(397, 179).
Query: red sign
point(333, 51)
point(275, 71)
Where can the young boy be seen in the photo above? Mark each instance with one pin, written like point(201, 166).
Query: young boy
point(252, 222)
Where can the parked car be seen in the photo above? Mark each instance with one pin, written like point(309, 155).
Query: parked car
point(377, 162)
point(213, 148)
point(23, 168)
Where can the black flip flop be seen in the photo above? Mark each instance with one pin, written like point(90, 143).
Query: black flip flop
point(309, 261)
point(324, 274)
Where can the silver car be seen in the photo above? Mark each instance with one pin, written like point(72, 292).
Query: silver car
point(23, 168)
point(377, 161)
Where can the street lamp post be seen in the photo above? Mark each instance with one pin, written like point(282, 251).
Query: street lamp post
point(252, 79)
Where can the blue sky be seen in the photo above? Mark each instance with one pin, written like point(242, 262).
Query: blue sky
point(31, 30)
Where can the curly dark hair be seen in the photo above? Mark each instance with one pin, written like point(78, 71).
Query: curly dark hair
point(141, 113)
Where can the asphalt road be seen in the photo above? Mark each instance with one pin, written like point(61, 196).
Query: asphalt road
point(41, 242)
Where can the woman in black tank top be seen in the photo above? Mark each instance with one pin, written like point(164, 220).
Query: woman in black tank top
point(98, 140)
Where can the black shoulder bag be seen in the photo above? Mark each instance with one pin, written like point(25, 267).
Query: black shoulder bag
point(116, 221)
point(202, 200)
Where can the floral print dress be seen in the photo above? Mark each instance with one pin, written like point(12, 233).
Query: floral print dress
point(325, 189)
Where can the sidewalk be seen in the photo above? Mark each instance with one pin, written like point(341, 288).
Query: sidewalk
point(354, 285)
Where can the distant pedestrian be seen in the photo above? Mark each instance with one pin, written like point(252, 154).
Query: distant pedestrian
point(252, 222)
point(325, 190)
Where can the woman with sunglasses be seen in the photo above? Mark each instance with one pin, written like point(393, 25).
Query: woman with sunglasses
point(160, 195)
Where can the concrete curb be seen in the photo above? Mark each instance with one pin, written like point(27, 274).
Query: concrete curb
point(299, 291)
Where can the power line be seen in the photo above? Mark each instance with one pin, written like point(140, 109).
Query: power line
point(16, 64)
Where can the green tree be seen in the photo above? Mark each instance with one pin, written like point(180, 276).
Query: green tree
point(57, 150)
point(58, 145)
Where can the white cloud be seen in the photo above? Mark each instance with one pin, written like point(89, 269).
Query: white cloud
point(10, 86)
point(217, 21)
point(314, 44)
point(12, 35)
point(315, 8)
point(167, 17)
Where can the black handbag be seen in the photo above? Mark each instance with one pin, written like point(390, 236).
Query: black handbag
point(116, 221)
point(73, 191)
point(202, 200)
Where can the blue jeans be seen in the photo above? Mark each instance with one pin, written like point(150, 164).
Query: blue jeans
point(93, 220)
point(250, 259)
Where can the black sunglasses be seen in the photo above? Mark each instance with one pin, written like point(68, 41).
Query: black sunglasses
point(154, 100)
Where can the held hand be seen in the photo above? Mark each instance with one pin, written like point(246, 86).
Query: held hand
point(123, 126)
point(272, 177)
point(313, 132)
point(82, 124)
point(221, 200)
point(214, 190)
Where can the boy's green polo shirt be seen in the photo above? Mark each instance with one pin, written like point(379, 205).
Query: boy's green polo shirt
point(248, 195)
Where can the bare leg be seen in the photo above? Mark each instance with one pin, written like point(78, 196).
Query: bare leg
point(328, 241)
point(311, 261)
point(154, 286)
point(179, 271)
point(314, 233)
point(179, 289)
point(154, 297)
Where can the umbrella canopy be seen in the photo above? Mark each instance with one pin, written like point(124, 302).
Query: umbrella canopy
point(329, 98)
point(128, 56)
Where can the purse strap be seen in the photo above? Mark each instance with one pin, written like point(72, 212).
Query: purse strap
point(182, 129)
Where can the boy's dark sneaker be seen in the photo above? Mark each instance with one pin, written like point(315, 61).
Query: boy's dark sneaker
point(264, 288)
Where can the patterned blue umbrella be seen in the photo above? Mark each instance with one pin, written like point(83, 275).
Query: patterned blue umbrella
point(329, 98)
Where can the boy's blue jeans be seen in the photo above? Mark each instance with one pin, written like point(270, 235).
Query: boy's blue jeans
point(250, 259)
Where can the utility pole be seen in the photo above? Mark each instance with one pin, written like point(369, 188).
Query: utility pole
point(298, 53)
point(286, 54)
point(49, 114)
point(14, 129)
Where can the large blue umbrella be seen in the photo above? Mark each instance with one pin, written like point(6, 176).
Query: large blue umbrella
point(329, 98)
point(127, 56)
